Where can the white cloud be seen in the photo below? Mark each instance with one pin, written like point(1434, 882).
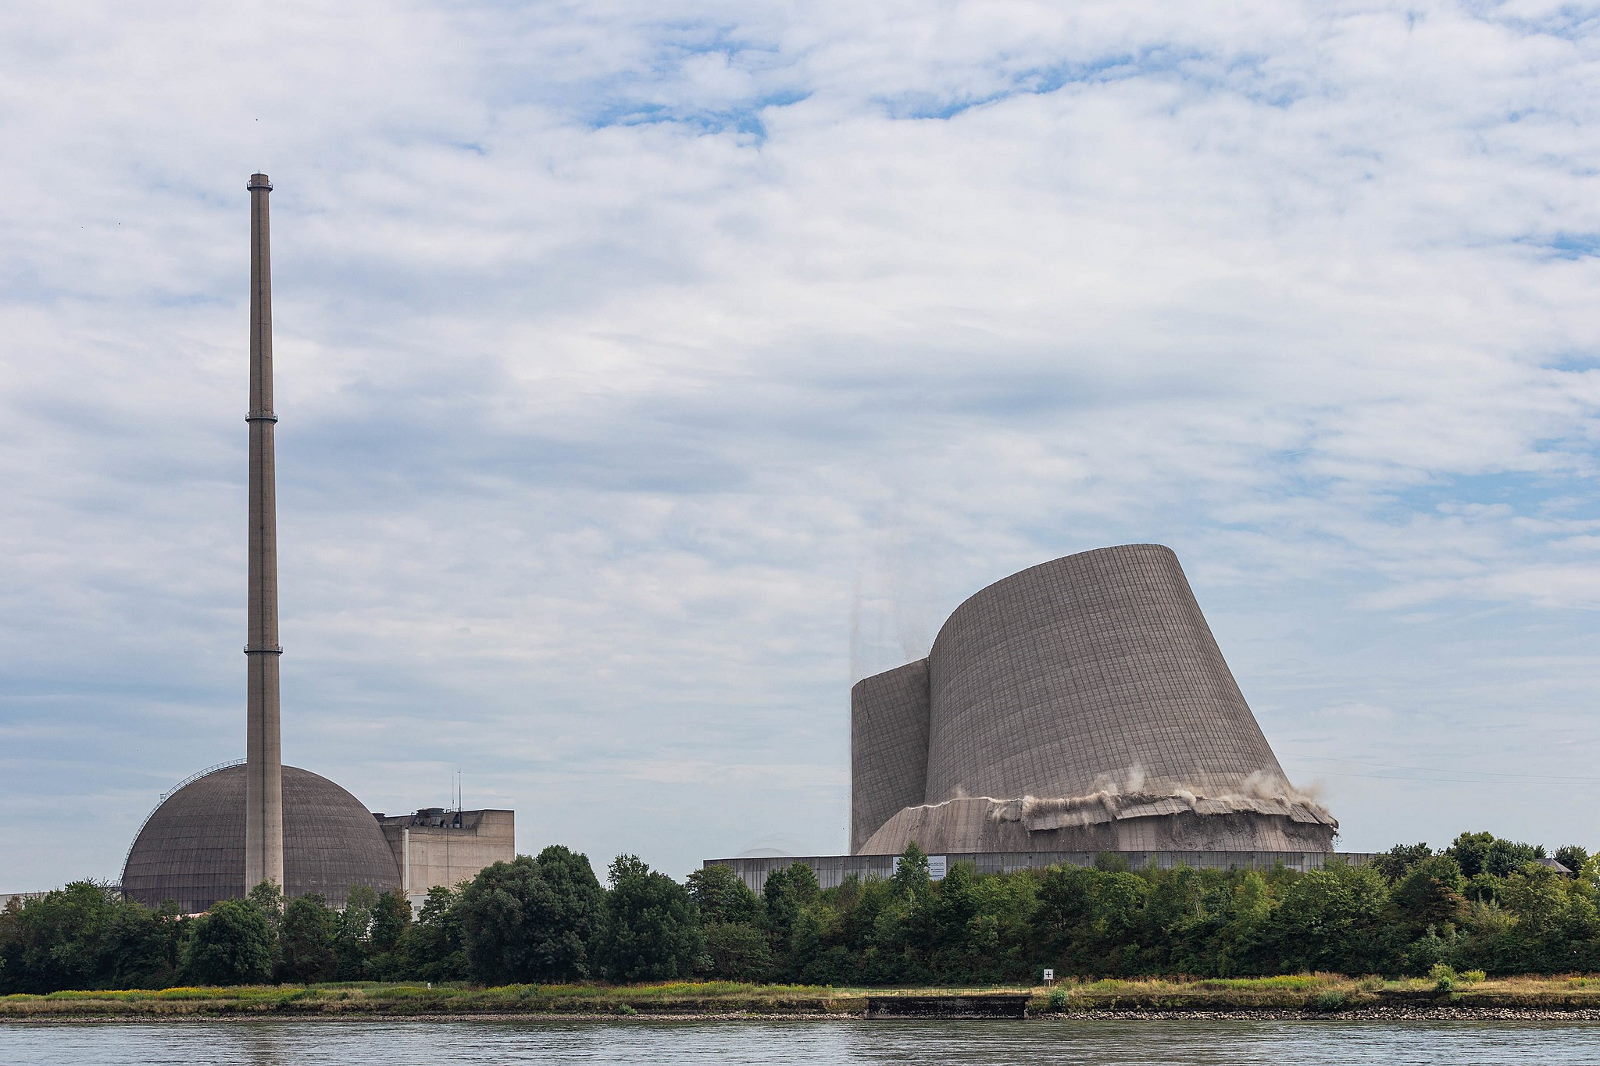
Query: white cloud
point(626, 351)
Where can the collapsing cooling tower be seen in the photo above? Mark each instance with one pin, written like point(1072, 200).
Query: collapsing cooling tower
point(1080, 705)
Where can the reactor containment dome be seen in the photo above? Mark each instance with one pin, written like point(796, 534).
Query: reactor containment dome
point(191, 849)
point(1080, 705)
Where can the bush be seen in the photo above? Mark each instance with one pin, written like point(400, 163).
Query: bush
point(232, 945)
point(1058, 1000)
point(1329, 1000)
point(737, 950)
point(1443, 977)
point(1472, 977)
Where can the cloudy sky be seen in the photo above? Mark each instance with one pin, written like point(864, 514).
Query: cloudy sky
point(650, 370)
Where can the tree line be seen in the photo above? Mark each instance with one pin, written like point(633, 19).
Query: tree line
point(1482, 903)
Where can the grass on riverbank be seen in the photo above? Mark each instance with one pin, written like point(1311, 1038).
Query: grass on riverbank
point(709, 997)
point(1327, 993)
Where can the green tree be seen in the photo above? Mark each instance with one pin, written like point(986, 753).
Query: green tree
point(142, 946)
point(737, 951)
point(1430, 894)
point(1485, 853)
point(1061, 916)
point(911, 872)
point(532, 919)
point(431, 948)
point(502, 912)
point(308, 940)
point(351, 935)
point(949, 924)
point(572, 925)
point(1334, 919)
point(1556, 923)
point(1242, 941)
point(62, 939)
point(390, 916)
point(722, 896)
point(1184, 913)
point(231, 945)
point(1398, 860)
point(998, 936)
point(652, 929)
point(269, 897)
point(785, 896)
point(1116, 912)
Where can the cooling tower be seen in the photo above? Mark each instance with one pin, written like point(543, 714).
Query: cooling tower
point(1080, 705)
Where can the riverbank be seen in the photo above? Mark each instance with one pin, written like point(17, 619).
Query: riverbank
point(1537, 998)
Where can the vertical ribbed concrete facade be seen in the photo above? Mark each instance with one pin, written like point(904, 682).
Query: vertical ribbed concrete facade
point(888, 746)
point(1080, 703)
point(263, 812)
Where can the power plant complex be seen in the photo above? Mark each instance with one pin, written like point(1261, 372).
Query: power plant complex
point(229, 828)
point(1076, 708)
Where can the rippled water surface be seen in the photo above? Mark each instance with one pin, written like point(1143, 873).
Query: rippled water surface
point(1002, 1043)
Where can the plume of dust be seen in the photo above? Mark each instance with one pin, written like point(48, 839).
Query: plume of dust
point(855, 628)
point(906, 589)
point(891, 604)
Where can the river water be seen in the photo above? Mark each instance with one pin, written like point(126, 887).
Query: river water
point(665, 1043)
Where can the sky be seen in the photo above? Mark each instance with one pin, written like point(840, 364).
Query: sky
point(650, 371)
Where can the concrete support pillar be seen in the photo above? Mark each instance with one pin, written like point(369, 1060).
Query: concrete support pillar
point(263, 819)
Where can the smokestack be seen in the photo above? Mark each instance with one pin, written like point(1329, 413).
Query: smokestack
point(263, 812)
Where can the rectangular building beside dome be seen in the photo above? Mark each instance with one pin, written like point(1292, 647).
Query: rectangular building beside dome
point(440, 848)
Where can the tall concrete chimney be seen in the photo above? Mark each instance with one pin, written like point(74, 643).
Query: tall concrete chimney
point(263, 811)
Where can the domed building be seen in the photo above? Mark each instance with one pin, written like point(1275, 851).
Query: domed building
point(191, 849)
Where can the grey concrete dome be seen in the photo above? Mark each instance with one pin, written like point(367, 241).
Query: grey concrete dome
point(191, 850)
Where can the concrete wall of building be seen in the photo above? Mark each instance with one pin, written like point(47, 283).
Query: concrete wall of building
point(831, 870)
point(437, 848)
point(888, 747)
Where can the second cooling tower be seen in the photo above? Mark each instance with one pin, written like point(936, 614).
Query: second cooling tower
point(1081, 704)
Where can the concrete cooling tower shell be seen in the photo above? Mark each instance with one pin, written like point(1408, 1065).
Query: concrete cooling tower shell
point(1082, 704)
point(888, 747)
point(191, 850)
point(1047, 681)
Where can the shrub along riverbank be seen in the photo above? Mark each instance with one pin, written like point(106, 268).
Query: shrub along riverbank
point(1308, 993)
point(546, 921)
